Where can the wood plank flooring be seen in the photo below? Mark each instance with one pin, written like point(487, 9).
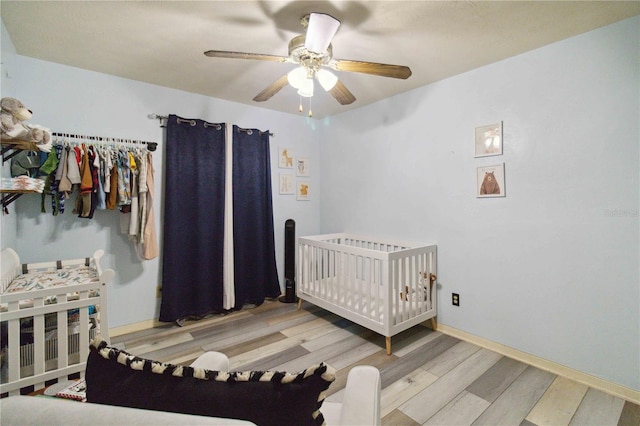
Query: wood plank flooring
point(430, 379)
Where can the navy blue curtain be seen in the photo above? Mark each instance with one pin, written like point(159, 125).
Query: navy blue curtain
point(255, 273)
point(192, 275)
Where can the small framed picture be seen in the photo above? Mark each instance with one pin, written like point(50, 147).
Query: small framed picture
point(303, 192)
point(287, 185)
point(285, 158)
point(491, 181)
point(489, 140)
point(302, 167)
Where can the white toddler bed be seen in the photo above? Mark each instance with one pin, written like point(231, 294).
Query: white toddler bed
point(384, 285)
point(49, 312)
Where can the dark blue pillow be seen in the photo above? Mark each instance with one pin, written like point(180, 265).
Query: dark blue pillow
point(115, 377)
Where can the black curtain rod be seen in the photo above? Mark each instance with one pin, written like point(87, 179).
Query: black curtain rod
point(193, 123)
point(151, 146)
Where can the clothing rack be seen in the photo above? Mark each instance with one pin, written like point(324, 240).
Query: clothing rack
point(151, 146)
point(193, 123)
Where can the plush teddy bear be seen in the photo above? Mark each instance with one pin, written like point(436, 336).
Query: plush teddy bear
point(12, 115)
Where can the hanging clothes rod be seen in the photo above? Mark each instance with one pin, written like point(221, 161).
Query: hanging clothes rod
point(151, 146)
point(193, 123)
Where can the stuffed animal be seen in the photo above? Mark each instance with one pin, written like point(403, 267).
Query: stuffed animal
point(12, 115)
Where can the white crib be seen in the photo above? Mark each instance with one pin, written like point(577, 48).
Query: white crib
point(384, 285)
point(55, 318)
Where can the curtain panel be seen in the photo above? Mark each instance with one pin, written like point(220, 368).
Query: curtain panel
point(205, 269)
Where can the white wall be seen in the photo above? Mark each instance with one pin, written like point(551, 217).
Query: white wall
point(7, 88)
point(72, 100)
point(552, 269)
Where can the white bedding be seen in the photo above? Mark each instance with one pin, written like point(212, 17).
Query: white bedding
point(39, 280)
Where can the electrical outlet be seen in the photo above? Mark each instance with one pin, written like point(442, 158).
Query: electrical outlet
point(455, 299)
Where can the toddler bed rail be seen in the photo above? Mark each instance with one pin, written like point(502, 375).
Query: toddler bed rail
point(385, 285)
point(49, 318)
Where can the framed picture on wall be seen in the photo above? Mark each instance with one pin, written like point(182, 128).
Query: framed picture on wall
point(491, 181)
point(287, 185)
point(285, 158)
point(488, 140)
point(303, 191)
point(302, 167)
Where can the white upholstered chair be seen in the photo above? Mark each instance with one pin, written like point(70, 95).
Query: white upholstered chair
point(360, 401)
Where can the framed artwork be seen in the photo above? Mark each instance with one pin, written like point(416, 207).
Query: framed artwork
point(285, 158)
point(303, 192)
point(302, 167)
point(489, 140)
point(287, 185)
point(491, 181)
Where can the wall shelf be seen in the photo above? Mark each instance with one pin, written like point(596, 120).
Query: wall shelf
point(14, 145)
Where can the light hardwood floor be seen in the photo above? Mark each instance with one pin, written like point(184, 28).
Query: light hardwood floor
point(431, 378)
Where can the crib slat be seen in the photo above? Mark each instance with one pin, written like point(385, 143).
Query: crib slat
point(38, 341)
point(13, 352)
point(63, 333)
point(84, 330)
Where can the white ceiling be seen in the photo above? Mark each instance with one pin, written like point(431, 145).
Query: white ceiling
point(162, 42)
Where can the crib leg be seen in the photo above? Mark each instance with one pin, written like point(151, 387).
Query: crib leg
point(387, 342)
point(299, 304)
point(434, 324)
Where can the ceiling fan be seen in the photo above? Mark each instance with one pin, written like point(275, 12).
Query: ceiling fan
point(313, 52)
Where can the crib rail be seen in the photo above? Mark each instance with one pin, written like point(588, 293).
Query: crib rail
point(387, 286)
point(44, 365)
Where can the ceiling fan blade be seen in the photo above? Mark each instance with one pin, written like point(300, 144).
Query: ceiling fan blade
point(272, 89)
point(383, 70)
point(243, 55)
point(320, 32)
point(342, 94)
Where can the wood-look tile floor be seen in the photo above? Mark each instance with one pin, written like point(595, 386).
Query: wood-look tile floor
point(430, 379)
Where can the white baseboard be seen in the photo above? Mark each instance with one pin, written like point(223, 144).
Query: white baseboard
point(543, 364)
point(131, 328)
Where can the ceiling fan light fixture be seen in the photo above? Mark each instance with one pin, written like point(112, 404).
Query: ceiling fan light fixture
point(327, 79)
point(306, 89)
point(296, 77)
point(320, 32)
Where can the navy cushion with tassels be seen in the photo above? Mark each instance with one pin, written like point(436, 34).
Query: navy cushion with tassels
point(115, 377)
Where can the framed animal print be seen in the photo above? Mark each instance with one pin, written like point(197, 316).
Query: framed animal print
point(302, 167)
point(491, 181)
point(303, 191)
point(287, 185)
point(285, 158)
point(489, 140)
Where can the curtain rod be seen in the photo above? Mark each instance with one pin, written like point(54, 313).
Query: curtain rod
point(151, 146)
point(164, 117)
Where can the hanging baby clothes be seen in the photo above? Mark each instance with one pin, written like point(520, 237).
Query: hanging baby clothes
point(73, 172)
point(150, 245)
point(98, 164)
point(134, 218)
point(112, 199)
point(61, 172)
point(124, 179)
point(48, 169)
point(65, 186)
point(142, 196)
point(104, 177)
point(83, 202)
